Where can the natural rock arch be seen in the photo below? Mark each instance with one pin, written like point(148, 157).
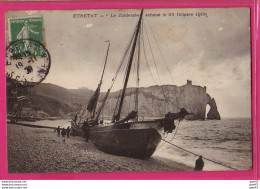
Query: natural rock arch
point(213, 111)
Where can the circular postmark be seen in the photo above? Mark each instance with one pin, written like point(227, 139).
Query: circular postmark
point(27, 62)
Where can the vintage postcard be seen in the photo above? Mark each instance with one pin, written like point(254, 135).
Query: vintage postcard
point(129, 90)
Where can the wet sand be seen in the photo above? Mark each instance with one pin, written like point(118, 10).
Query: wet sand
point(39, 150)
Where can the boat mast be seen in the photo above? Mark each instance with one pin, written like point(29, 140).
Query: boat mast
point(93, 101)
point(105, 63)
point(100, 83)
point(129, 66)
point(137, 75)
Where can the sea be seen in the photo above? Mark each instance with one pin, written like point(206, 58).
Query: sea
point(224, 144)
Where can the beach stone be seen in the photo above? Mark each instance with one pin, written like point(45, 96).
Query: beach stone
point(44, 152)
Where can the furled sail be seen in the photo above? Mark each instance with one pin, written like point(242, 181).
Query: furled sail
point(102, 105)
point(93, 101)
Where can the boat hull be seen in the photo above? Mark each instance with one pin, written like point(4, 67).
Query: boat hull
point(136, 143)
point(130, 139)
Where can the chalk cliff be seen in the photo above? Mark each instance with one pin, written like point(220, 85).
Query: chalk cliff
point(213, 112)
point(155, 101)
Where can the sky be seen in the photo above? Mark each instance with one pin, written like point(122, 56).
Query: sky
point(212, 50)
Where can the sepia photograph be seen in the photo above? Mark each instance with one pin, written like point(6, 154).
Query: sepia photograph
point(128, 90)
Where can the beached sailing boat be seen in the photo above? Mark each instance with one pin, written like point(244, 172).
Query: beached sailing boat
point(129, 136)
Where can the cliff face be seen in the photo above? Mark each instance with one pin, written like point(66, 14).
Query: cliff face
point(156, 101)
point(58, 101)
point(213, 112)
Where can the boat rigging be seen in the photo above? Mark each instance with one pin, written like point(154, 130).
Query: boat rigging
point(135, 138)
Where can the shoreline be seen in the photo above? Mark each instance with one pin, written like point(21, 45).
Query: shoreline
point(40, 150)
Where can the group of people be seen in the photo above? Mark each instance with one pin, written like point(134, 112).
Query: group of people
point(63, 132)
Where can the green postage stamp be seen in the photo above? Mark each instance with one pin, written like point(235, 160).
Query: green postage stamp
point(27, 59)
point(26, 29)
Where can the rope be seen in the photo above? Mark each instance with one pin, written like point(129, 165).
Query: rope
point(145, 57)
point(199, 155)
point(120, 71)
point(176, 129)
point(160, 51)
point(154, 62)
point(157, 68)
point(178, 124)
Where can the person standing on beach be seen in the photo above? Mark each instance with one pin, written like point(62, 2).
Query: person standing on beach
point(58, 131)
point(86, 129)
point(63, 132)
point(68, 131)
point(199, 164)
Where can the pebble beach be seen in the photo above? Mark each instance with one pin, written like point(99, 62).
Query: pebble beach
point(40, 150)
